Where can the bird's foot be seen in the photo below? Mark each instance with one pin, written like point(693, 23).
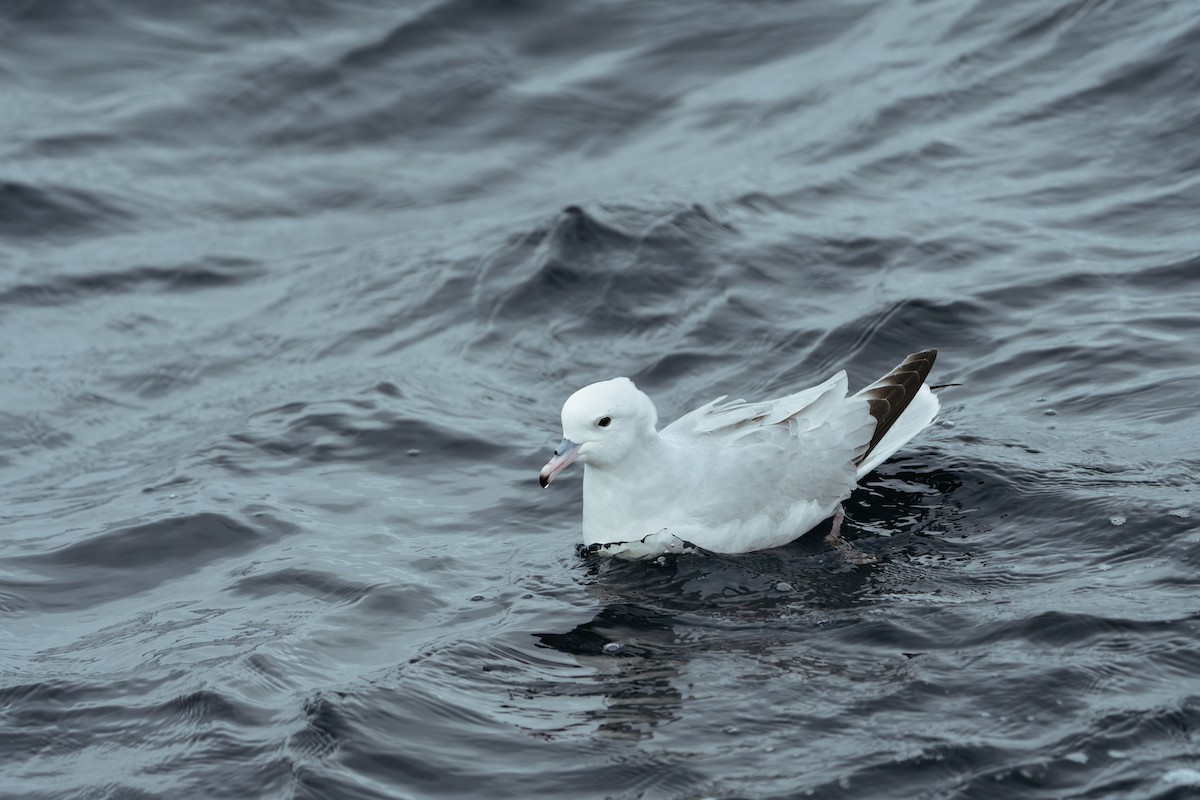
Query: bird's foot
point(834, 537)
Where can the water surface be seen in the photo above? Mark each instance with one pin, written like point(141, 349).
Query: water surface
point(292, 294)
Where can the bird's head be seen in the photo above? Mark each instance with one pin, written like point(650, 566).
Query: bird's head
point(602, 423)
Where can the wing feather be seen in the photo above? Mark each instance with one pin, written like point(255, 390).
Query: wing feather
point(799, 412)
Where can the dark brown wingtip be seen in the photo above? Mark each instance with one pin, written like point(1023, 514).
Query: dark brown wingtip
point(891, 394)
point(926, 357)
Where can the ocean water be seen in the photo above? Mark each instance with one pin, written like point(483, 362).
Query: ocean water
point(291, 293)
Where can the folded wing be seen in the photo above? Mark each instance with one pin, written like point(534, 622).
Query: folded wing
point(802, 408)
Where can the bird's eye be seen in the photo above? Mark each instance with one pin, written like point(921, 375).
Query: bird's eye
point(604, 422)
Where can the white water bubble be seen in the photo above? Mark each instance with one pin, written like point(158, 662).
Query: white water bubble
point(1077, 757)
point(612, 647)
point(1184, 776)
point(1118, 520)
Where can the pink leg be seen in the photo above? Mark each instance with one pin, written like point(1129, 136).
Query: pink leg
point(834, 536)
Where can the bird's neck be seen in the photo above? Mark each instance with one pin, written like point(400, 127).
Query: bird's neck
point(621, 499)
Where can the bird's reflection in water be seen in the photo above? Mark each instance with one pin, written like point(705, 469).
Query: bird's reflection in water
point(636, 656)
point(684, 609)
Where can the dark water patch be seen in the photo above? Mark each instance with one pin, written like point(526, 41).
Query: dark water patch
point(601, 275)
point(209, 273)
point(948, 254)
point(1065, 193)
point(407, 81)
point(404, 601)
point(1075, 288)
point(1120, 112)
point(1166, 212)
point(1136, 400)
point(25, 697)
point(28, 211)
point(878, 334)
point(70, 144)
point(349, 431)
point(1021, 491)
point(775, 33)
point(695, 224)
point(1128, 379)
point(173, 376)
point(941, 156)
point(937, 766)
point(310, 196)
point(29, 433)
point(175, 482)
point(207, 706)
point(754, 587)
point(325, 726)
point(63, 16)
point(51, 723)
point(1161, 73)
point(457, 59)
point(1057, 629)
point(678, 363)
point(13, 597)
point(631, 628)
point(438, 24)
point(1109, 753)
point(198, 536)
point(1053, 22)
point(394, 756)
point(859, 252)
point(1169, 277)
point(389, 389)
point(595, 120)
point(596, 275)
point(379, 750)
point(323, 586)
point(577, 233)
point(125, 561)
point(905, 520)
point(911, 112)
point(582, 266)
point(593, 278)
point(403, 308)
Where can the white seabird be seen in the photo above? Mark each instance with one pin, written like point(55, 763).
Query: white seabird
point(732, 477)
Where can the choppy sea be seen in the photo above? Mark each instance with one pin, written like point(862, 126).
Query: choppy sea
point(291, 294)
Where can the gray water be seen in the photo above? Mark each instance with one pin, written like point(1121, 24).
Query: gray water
point(292, 293)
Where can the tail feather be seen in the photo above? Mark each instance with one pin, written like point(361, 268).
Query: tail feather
point(889, 398)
